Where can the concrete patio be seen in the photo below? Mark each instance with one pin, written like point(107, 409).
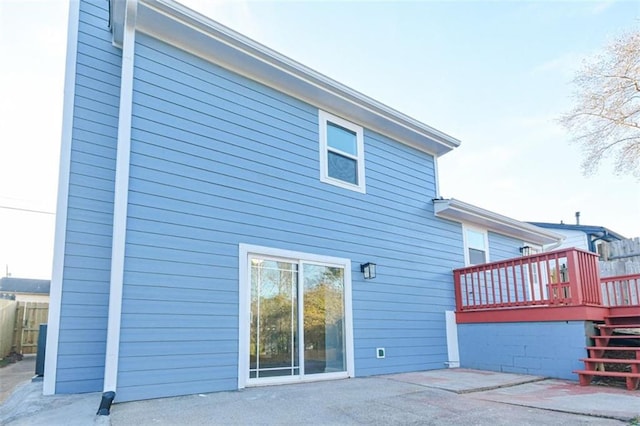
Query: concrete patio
point(440, 397)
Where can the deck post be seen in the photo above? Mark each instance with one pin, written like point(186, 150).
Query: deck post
point(575, 277)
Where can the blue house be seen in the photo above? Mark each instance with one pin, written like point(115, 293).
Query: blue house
point(228, 217)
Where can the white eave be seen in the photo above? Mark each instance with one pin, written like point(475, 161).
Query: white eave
point(459, 211)
point(182, 27)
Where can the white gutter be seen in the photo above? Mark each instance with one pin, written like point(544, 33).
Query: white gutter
point(180, 26)
point(462, 212)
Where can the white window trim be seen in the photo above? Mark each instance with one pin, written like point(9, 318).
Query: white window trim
point(482, 231)
point(245, 251)
point(323, 119)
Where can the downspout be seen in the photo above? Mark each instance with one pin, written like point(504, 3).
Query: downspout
point(592, 246)
point(554, 245)
point(436, 173)
point(120, 208)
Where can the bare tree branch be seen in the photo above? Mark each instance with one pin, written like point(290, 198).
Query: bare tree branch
point(605, 119)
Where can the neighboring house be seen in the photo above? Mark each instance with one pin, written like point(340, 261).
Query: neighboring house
point(585, 237)
point(25, 289)
point(220, 210)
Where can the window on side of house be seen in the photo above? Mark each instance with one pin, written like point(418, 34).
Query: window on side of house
point(476, 246)
point(341, 152)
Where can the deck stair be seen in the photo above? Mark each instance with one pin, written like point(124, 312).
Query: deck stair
point(609, 342)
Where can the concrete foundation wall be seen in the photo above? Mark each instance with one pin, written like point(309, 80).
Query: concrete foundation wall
point(549, 349)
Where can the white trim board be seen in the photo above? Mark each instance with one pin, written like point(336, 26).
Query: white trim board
point(60, 241)
point(453, 351)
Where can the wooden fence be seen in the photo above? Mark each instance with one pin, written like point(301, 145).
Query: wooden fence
point(621, 258)
point(29, 316)
point(8, 310)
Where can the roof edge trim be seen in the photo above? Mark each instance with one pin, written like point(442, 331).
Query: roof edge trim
point(462, 212)
point(374, 115)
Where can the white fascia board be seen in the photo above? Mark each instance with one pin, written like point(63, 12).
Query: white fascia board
point(60, 242)
point(188, 30)
point(462, 212)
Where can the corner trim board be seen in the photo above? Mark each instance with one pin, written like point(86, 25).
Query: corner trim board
point(120, 199)
point(60, 242)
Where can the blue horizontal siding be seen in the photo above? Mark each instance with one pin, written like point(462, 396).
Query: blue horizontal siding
point(179, 67)
point(85, 288)
point(151, 362)
point(502, 247)
point(178, 335)
point(171, 183)
point(81, 361)
point(218, 160)
point(81, 349)
point(168, 352)
point(181, 294)
point(88, 323)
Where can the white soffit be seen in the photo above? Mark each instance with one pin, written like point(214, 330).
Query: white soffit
point(175, 24)
point(459, 211)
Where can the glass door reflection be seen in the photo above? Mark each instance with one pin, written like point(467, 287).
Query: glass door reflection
point(324, 339)
point(273, 349)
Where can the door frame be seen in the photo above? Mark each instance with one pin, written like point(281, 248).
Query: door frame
point(244, 311)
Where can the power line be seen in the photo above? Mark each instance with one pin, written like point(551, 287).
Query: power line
point(25, 210)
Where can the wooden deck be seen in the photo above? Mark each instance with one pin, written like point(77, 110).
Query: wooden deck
point(553, 286)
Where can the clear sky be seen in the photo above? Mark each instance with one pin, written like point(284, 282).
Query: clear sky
point(494, 74)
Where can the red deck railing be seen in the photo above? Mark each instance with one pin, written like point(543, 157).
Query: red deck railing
point(566, 278)
point(621, 290)
point(557, 278)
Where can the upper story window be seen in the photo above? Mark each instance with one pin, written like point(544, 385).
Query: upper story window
point(475, 246)
point(341, 152)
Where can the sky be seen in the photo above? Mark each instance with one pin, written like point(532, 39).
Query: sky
point(496, 75)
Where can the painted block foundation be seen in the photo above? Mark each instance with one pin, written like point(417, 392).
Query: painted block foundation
point(548, 349)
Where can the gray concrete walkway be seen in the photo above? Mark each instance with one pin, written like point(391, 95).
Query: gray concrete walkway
point(14, 374)
point(441, 397)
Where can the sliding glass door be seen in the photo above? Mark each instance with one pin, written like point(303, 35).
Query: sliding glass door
point(296, 321)
point(324, 345)
point(273, 350)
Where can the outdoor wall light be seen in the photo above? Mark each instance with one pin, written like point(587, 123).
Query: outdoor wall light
point(525, 250)
point(369, 270)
